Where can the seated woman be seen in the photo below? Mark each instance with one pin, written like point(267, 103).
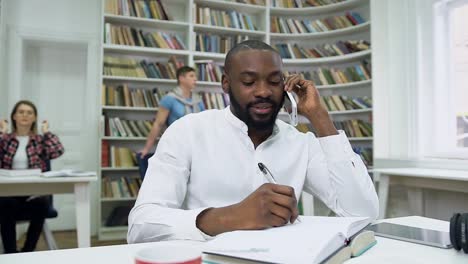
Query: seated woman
point(24, 148)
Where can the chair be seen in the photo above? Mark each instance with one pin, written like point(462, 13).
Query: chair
point(51, 213)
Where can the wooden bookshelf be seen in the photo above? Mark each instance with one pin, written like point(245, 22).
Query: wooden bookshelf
point(183, 23)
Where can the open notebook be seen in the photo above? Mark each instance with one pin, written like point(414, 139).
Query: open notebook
point(312, 241)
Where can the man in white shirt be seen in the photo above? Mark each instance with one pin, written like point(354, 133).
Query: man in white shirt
point(204, 178)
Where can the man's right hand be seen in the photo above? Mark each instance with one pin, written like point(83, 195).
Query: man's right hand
point(3, 126)
point(144, 152)
point(271, 205)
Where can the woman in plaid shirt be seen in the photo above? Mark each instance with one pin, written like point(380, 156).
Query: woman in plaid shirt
point(24, 148)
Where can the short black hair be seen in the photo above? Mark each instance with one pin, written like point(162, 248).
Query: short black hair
point(250, 44)
point(183, 70)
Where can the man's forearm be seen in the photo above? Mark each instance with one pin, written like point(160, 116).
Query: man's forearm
point(214, 221)
point(322, 123)
point(154, 133)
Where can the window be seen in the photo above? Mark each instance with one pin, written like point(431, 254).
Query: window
point(449, 102)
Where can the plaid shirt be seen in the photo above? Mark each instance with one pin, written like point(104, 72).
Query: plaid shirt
point(39, 149)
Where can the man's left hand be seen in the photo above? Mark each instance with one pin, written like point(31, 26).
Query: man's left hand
point(309, 97)
point(309, 105)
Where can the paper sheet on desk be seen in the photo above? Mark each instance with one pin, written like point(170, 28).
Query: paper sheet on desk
point(68, 173)
point(20, 173)
point(311, 241)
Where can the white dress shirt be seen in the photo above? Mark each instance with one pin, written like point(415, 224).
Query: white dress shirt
point(208, 160)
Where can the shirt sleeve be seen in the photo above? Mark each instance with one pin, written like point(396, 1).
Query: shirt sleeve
point(53, 148)
point(167, 102)
point(2, 148)
point(157, 214)
point(338, 177)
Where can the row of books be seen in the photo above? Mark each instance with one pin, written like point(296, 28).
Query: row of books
point(208, 71)
point(116, 127)
point(344, 103)
point(152, 9)
point(324, 76)
point(119, 66)
point(121, 187)
point(215, 43)
point(295, 51)
point(122, 95)
point(222, 18)
point(125, 35)
point(366, 155)
point(355, 128)
point(302, 3)
point(215, 100)
point(252, 2)
point(116, 157)
point(295, 26)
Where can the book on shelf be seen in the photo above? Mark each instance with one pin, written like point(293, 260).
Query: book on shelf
point(302, 3)
point(207, 42)
point(153, 9)
point(20, 173)
point(122, 95)
point(127, 67)
point(345, 103)
point(366, 155)
point(251, 2)
point(128, 36)
point(340, 48)
point(223, 18)
point(355, 128)
point(301, 26)
point(215, 100)
point(121, 157)
point(118, 127)
point(208, 71)
point(314, 240)
point(336, 75)
point(120, 187)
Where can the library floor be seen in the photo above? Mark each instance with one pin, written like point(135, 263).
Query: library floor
point(67, 239)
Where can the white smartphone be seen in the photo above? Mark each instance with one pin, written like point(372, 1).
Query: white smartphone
point(412, 234)
point(290, 106)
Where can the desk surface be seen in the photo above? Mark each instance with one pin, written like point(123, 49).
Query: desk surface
point(460, 175)
point(386, 250)
point(39, 179)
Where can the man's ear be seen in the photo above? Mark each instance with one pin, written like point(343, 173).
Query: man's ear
point(225, 82)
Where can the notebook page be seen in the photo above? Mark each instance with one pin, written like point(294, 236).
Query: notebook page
point(310, 241)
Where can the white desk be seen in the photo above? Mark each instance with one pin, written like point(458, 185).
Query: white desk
point(417, 179)
point(80, 186)
point(386, 251)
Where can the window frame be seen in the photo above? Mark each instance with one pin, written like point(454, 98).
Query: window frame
point(438, 102)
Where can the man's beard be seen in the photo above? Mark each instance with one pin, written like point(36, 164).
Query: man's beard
point(245, 116)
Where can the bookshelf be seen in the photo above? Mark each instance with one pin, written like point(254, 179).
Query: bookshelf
point(186, 17)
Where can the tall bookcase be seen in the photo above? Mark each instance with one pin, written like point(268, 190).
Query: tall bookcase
point(184, 15)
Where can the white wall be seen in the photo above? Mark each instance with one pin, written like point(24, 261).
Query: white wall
point(402, 67)
point(59, 20)
point(3, 102)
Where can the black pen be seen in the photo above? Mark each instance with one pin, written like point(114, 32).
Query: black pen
point(269, 177)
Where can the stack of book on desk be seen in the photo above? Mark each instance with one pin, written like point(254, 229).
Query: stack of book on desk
point(313, 240)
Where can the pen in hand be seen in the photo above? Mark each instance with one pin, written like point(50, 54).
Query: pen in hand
point(269, 177)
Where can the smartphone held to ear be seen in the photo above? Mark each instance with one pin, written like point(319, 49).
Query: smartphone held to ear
point(290, 106)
